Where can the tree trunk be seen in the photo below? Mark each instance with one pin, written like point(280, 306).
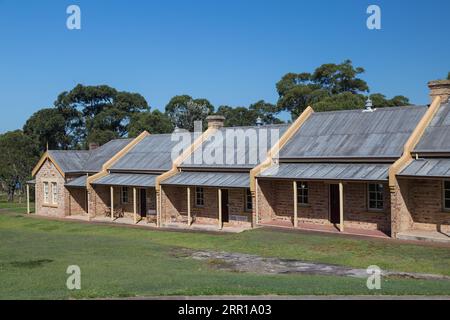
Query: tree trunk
point(11, 194)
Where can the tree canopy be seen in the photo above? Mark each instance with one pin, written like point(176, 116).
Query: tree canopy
point(153, 122)
point(48, 126)
point(99, 113)
point(242, 116)
point(18, 155)
point(330, 87)
point(184, 110)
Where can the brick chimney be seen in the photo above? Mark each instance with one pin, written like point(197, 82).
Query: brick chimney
point(93, 145)
point(439, 88)
point(215, 121)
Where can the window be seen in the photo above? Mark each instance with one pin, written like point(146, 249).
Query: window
point(248, 200)
point(199, 197)
point(447, 195)
point(54, 193)
point(302, 192)
point(124, 197)
point(46, 192)
point(376, 195)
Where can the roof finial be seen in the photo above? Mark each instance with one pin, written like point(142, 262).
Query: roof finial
point(369, 105)
point(47, 145)
point(259, 122)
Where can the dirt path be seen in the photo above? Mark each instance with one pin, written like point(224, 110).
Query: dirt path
point(255, 264)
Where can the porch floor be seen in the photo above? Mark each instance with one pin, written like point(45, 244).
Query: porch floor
point(424, 235)
point(124, 220)
point(324, 228)
point(205, 227)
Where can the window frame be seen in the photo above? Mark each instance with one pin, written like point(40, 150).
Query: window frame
point(199, 194)
point(303, 193)
point(122, 193)
point(247, 194)
point(368, 194)
point(46, 192)
point(444, 198)
point(54, 193)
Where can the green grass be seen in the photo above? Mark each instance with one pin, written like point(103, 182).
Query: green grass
point(122, 262)
point(17, 207)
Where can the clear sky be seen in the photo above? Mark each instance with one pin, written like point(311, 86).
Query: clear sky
point(228, 51)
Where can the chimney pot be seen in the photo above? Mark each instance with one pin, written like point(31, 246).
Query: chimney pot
point(93, 146)
point(215, 121)
point(439, 88)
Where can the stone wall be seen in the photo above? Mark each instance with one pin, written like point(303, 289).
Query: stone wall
point(49, 173)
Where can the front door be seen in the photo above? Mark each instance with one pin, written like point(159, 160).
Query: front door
point(334, 203)
point(143, 199)
point(225, 217)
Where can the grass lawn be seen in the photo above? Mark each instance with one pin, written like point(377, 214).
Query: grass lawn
point(122, 261)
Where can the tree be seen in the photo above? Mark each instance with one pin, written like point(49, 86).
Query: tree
point(48, 127)
point(266, 111)
point(18, 155)
point(99, 112)
point(330, 87)
point(184, 110)
point(238, 116)
point(448, 76)
point(241, 116)
point(154, 122)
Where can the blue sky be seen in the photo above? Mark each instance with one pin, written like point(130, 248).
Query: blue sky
point(230, 52)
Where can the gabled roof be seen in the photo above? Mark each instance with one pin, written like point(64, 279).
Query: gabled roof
point(436, 138)
point(99, 156)
point(354, 134)
point(237, 152)
point(153, 153)
point(83, 161)
point(69, 160)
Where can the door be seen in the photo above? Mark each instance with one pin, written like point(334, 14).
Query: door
point(143, 199)
point(225, 217)
point(334, 203)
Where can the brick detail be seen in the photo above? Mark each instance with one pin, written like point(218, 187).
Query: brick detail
point(174, 206)
point(426, 206)
point(100, 200)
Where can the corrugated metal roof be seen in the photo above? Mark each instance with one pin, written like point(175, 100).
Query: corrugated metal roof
point(127, 179)
point(154, 152)
point(71, 161)
point(79, 182)
point(31, 181)
point(436, 137)
point(354, 134)
point(99, 156)
point(329, 171)
point(210, 179)
point(433, 167)
point(236, 147)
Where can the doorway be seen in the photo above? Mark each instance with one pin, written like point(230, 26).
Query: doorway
point(143, 200)
point(225, 215)
point(334, 204)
